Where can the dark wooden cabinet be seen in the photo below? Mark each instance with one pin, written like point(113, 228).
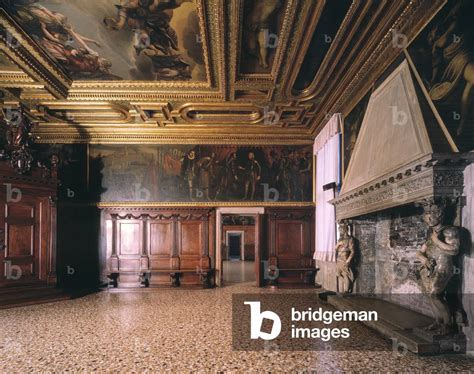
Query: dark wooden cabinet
point(28, 228)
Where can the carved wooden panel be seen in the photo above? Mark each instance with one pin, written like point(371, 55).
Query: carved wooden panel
point(27, 220)
point(190, 234)
point(159, 242)
point(22, 228)
point(130, 245)
point(162, 242)
point(291, 243)
point(191, 243)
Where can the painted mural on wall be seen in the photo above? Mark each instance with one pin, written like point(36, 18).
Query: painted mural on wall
point(443, 54)
point(207, 173)
point(116, 39)
point(352, 125)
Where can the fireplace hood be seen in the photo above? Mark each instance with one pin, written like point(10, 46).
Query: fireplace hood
point(402, 154)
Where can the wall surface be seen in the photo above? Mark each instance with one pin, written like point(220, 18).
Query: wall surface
point(201, 173)
point(468, 256)
point(143, 173)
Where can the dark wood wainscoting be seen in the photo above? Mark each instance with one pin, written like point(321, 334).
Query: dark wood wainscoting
point(290, 246)
point(148, 246)
point(160, 246)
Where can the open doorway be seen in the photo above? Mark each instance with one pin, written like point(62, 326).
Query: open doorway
point(237, 245)
point(238, 249)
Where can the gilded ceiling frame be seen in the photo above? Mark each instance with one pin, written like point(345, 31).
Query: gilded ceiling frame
point(150, 112)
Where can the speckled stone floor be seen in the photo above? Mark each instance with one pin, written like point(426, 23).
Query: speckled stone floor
point(171, 330)
point(238, 271)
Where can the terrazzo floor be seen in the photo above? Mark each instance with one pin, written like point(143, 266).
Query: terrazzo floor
point(238, 271)
point(172, 330)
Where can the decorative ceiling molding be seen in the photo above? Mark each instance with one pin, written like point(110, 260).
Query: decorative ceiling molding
point(366, 70)
point(238, 103)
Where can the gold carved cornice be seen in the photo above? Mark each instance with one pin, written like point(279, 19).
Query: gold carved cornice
point(154, 137)
point(151, 205)
point(228, 106)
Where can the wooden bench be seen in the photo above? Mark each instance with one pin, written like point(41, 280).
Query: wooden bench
point(309, 274)
point(175, 274)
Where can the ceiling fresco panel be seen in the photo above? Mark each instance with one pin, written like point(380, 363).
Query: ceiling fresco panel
point(327, 27)
point(180, 71)
point(146, 40)
point(262, 22)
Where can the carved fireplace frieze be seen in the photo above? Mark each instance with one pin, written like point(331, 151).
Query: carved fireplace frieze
point(431, 176)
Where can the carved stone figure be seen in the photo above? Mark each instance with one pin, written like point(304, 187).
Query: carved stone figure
point(345, 252)
point(436, 256)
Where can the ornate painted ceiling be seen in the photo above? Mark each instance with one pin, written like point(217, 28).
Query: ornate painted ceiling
point(204, 71)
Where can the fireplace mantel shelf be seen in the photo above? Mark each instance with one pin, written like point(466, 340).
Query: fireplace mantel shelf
point(430, 176)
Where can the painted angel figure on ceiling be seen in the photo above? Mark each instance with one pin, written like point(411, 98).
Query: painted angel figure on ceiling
point(56, 35)
point(153, 35)
point(135, 13)
point(259, 33)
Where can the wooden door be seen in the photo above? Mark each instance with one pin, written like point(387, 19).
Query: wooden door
point(24, 258)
